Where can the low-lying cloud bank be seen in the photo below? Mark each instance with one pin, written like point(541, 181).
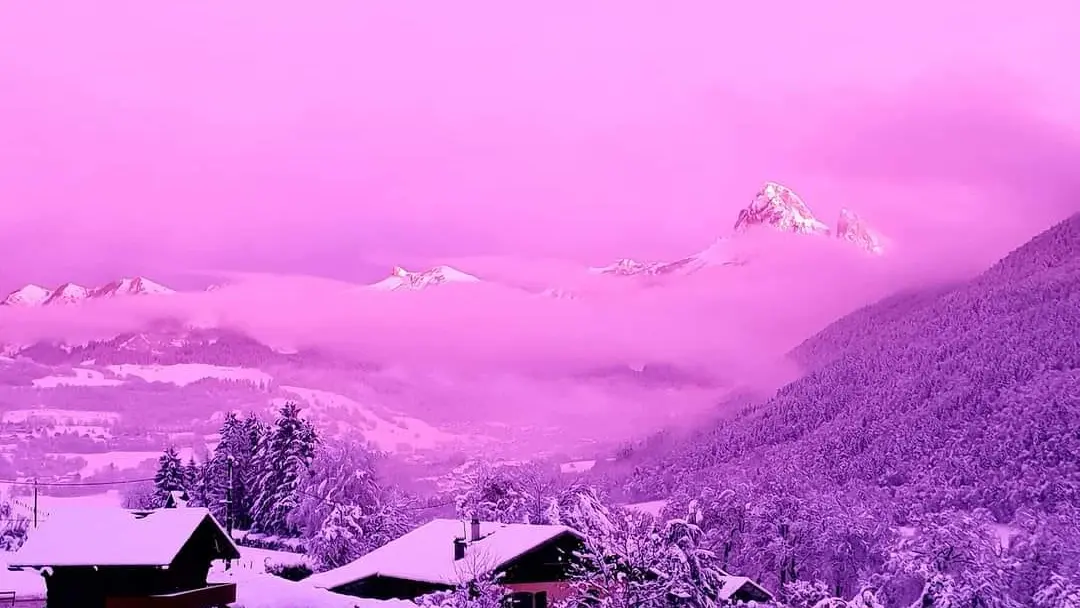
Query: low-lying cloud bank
point(726, 317)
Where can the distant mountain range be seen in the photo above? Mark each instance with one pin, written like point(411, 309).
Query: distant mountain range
point(70, 293)
point(775, 206)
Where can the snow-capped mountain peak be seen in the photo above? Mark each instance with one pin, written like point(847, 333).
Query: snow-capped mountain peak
point(628, 266)
point(130, 287)
point(29, 295)
point(716, 254)
point(850, 227)
point(68, 293)
point(778, 206)
point(403, 279)
point(71, 293)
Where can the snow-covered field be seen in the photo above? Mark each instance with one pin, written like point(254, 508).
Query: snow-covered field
point(81, 377)
point(578, 466)
point(122, 460)
point(180, 374)
point(60, 417)
point(47, 505)
point(388, 432)
point(183, 374)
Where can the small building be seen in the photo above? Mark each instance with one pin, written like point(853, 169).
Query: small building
point(533, 562)
point(115, 558)
point(176, 499)
point(743, 589)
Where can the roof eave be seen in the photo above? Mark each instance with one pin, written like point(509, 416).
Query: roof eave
point(43, 566)
point(412, 579)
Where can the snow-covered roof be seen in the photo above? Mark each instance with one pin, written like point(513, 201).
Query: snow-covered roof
point(105, 536)
point(427, 554)
point(177, 498)
point(732, 584)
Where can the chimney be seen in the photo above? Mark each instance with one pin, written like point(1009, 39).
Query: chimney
point(459, 549)
point(475, 529)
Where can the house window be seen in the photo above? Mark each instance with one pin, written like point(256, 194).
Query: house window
point(525, 599)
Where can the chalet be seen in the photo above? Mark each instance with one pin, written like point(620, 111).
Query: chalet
point(114, 558)
point(742, 589)
point(533, 562)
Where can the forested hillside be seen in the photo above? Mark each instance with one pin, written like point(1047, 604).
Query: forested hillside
point(958, 404)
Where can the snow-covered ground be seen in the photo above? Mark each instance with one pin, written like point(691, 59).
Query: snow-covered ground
point(81, 377)
point(258, 590)
point(26, 584)
point(388, 432)
point(254, 588)
point(653, 507)
point(578, 466)
point(183, 374)
point(122, 460)
point(60, 417)
point(259, 560)
point(180, 374)
point(22, 506)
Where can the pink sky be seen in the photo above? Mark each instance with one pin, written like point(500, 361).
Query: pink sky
point(337, 138)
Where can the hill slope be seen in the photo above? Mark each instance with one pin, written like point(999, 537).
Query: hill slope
point(942, 423)
point(968, 398)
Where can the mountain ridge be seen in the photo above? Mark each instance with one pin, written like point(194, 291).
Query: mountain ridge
point(987, 370)
point(32, 295)
point(774, 206)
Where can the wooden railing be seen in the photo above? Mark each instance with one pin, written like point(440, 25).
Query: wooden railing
point(212, 596)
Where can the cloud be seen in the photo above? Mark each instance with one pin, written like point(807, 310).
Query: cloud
point(725, 319)
point(521, 146)
point(179, 138)
point(957, 169)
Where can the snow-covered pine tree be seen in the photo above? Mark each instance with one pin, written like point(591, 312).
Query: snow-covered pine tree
point(281, 460)
point(218, 466)
point(244, 472)
point(170, 474)
point(195, 483)
point(344, 511)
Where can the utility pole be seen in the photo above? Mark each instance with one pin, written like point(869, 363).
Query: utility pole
point(35, 502)
point(229, 508)
point(229, 500)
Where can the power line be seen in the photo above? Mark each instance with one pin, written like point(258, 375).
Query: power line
point(412, 507)
point(74, 484)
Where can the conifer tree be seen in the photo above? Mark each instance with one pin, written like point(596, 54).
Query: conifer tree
point(193, 483)
point(170, 474)
point(218, 474)
point(281, 459)
point(245, 473)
